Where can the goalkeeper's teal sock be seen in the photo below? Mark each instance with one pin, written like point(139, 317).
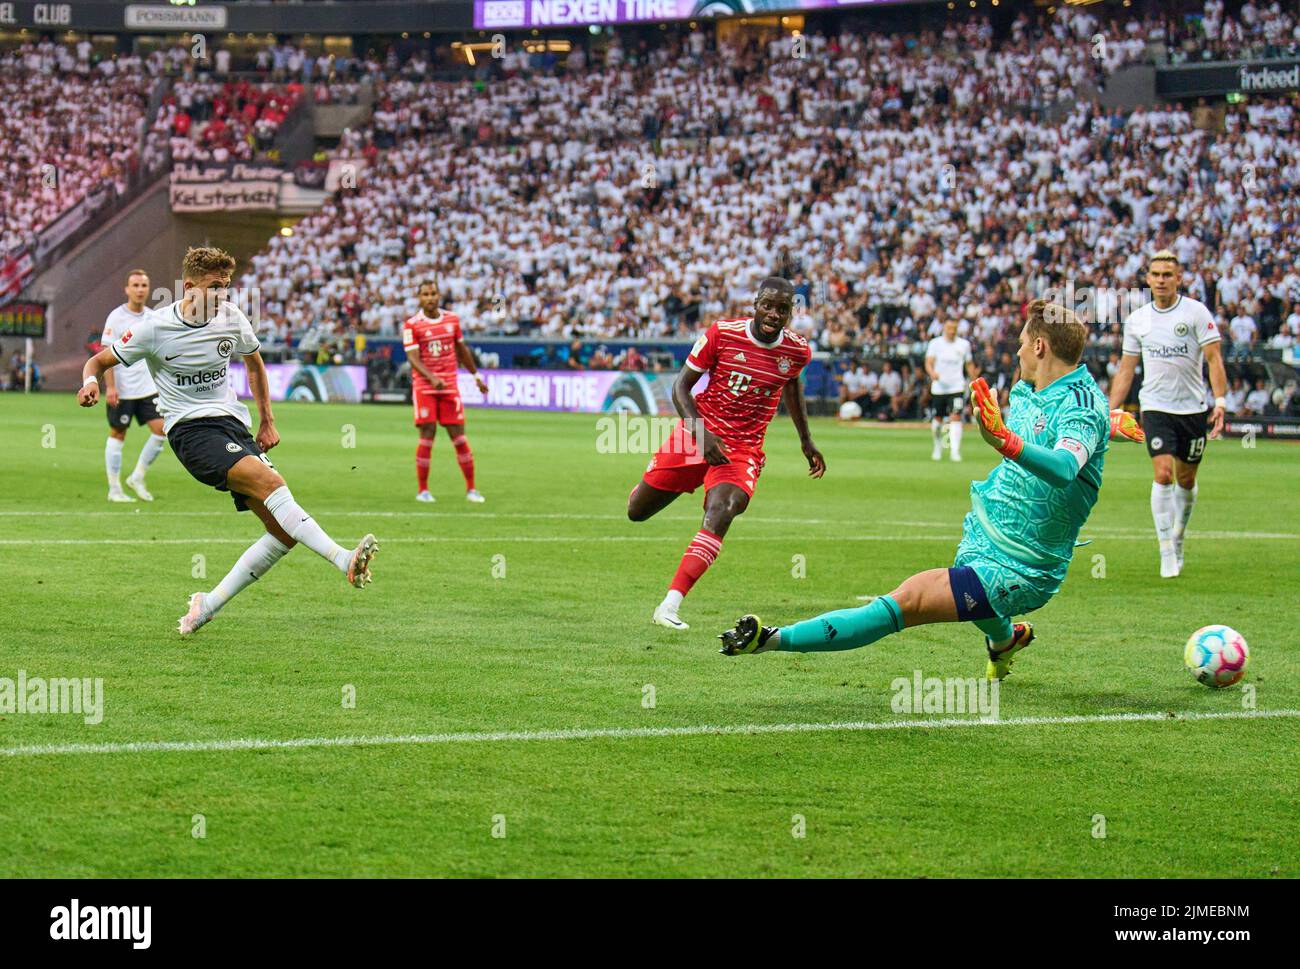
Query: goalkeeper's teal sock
point(844, 629)
point(998, 629)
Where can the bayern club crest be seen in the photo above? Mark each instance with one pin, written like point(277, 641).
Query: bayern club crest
point(783, 364)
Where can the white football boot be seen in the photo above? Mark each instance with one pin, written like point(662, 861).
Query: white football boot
point(359, 567)
point(136, 484)
point(197, 616)
point(663, 617)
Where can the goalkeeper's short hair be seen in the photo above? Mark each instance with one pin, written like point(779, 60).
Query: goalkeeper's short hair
point(1060, 327)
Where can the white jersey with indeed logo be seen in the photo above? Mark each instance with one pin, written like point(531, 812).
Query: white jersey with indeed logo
point(190, 361)
point(133, 382)
point(950, 358)
point(1169, 343)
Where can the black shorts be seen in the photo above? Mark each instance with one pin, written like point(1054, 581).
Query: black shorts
point(143, 409)
point(209, 447)
point(945, 404)
point(1182, 435)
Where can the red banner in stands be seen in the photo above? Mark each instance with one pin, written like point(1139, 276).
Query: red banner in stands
point(15, 272)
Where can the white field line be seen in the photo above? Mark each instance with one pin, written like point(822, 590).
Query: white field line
point(580, 539)
point(619, 733)
point(463, 539)
point(952, 531)
point(125, 514)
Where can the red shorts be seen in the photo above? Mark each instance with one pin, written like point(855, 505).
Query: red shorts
point(435, 408)
point(678, 466)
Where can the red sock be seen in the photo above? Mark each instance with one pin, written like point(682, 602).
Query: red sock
point(423, 452)
point(466, 458)
point(699, 555)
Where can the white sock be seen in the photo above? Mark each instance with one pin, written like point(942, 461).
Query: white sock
point(672, 602)
point(113, 463)
point(1162, 512)
point(302, 528)
point(936, 431)
point(149, 454)
point(954, 429)
point(252, 565)
point(1184, 502)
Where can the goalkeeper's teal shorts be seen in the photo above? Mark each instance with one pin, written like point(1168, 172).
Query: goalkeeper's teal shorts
point(1012, 587)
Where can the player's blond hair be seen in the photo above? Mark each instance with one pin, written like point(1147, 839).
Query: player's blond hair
point(1164, 255)
point(203, 261)
point(1063, 331)
point(136, 272)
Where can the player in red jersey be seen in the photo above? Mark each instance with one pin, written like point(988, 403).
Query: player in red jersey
point(753, 365)
point(434, 345)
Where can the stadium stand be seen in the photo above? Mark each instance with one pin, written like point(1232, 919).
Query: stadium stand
point(634, 188)
point(1208, 33)
point(234, 120)
point(898, 180)
point(91, 118)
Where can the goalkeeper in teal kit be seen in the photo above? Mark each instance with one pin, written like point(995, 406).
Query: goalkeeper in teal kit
point(1019, 536)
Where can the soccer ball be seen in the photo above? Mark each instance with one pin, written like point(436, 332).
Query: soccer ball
point(850, 410)
point(1217, 656)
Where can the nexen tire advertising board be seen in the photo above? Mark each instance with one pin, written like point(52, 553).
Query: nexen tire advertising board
point(580, 391)
point(508, 14)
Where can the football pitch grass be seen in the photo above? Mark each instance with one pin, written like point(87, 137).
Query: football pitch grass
point(516, 714)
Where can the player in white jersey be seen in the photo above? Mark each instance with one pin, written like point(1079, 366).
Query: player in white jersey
point(130, 393)
point(188, 346)
point(1172, 335)
point(949, 362)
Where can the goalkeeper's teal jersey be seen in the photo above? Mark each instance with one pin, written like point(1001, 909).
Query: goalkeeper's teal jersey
point(1022, 515)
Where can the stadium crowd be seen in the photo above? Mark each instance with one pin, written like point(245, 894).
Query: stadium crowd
point(1208, 32)
point(75, 123)
point(69, 130)
point(898, 180)
point(206, 119)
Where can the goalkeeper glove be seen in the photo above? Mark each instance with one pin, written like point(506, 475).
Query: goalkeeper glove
point(989, 417)
point(1125, 425)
